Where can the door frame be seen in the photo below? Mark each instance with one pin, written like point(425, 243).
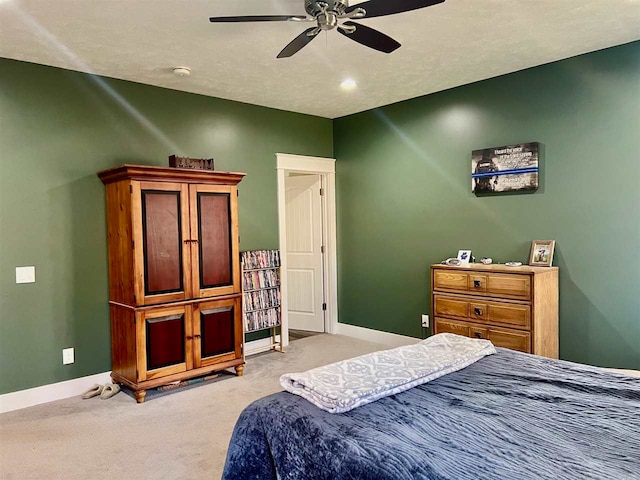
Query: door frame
point(326, 169)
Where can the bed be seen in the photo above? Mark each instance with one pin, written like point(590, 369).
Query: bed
point(508, 416)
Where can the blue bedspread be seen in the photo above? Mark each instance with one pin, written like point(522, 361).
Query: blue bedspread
point(507, 416)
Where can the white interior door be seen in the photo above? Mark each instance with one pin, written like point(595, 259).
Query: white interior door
point(305, 296)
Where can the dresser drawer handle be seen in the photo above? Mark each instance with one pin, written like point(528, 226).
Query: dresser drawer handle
point(477, 311)
point(476, 284)
point(478, 334)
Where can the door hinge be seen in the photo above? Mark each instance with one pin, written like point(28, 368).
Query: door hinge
point(324, 306)
point(133, 244)
point(130, 188)
point(237, 193)
point(321, 192)
point(322, 249)
point(134, 302)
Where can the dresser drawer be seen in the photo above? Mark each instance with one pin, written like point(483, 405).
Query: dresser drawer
point(460, 281)
point(446, 326)
point(507, 314)
point(491, 284)
point(500, 337)
point(511, 339)
point(518, 286)
point(450, 307)
point(450, 280)
point(483, 310)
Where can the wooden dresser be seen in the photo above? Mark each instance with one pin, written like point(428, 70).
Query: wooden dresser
point(514, 307)
point(174, 274)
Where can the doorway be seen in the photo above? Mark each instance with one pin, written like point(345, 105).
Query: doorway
point(307, 220)
point(304, 241)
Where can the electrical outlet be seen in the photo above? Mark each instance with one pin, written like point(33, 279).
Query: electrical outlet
point(68, 356)
point(425, 321)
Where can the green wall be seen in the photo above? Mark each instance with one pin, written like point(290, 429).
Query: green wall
point(404, 197)
point(58, 128)
point(405, 202)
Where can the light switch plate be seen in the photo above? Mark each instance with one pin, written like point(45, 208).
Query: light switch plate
point(425, 321)
point(25, 274)
point(68, 356)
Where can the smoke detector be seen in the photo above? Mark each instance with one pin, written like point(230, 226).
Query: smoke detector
point(182, 71)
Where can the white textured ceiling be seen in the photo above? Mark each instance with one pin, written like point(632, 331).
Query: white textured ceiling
point(454, 43)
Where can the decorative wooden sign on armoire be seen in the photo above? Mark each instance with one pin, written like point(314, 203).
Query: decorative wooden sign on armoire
point(174, 274)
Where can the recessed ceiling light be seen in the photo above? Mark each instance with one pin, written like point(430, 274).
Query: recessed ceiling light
point(348, 84)
point(182, 71)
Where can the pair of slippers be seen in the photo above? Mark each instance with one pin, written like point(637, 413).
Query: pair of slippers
point(105, 391)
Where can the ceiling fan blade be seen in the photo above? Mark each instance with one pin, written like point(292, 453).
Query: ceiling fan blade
point(298, 43)
point(370, 38)
point(258, 18)
point(379, 8)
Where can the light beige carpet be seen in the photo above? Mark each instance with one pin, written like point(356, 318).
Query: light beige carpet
point(183, 435)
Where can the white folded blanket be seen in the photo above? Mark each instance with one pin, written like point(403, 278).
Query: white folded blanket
point(345, 385)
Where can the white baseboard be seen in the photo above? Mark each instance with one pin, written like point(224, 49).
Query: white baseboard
point(49, 393)
point(77, 386)
point(376, 336)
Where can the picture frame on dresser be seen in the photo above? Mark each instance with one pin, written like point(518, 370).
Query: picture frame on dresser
point(464, 256)
point(542, 253)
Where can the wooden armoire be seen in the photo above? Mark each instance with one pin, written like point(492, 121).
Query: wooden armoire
point(174, 274)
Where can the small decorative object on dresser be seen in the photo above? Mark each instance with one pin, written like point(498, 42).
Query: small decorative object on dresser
point(261, 295)
point(513, 307)
point(195, 163)
point(486, 260)
point(542, 253)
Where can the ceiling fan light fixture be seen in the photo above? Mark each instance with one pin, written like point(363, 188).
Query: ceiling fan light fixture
point(348, 84)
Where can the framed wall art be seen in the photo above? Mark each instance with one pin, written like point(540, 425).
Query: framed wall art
point(510, 168)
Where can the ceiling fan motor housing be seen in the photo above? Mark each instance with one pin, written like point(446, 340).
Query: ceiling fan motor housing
point(315, 8)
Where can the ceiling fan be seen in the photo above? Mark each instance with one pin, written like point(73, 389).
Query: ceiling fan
point(328, 13)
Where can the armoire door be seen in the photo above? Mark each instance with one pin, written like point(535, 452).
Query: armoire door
point(214, 232)
point(162, 248)
point(164, 342)
point(217, 331)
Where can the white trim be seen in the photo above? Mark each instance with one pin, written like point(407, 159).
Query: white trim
point(325, 167)
point(304, 164)
point(376, 336)
point(49, 393)
point(77, 386)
